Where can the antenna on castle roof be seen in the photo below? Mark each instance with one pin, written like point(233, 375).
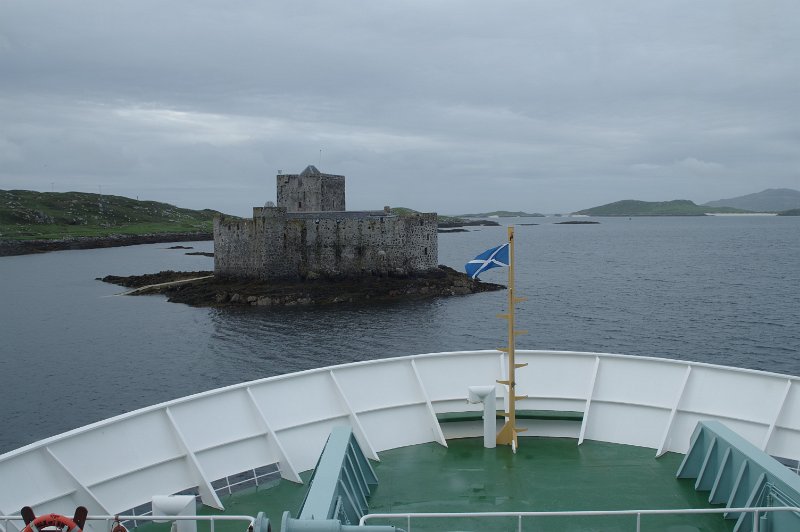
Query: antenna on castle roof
point(320, 157)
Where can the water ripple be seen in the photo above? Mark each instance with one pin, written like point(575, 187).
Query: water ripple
point(717, 290)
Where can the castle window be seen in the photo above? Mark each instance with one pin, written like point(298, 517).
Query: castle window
point(426, 251)
point(299, 204)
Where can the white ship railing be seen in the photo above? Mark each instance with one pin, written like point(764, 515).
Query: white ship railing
point(582, 513)
point(193, 443)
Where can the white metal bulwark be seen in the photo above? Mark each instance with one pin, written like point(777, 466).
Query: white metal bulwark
point(82, 487)
point(207, 493)
point(287, 469)
point(587, 408)
point(662, 448)
point(775, 419)
point(394, 401)
point(435, 427)
point(358, 430)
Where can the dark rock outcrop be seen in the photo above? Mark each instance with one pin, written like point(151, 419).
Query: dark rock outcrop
point(443, 281)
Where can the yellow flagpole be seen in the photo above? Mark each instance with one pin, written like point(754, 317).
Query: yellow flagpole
point(508, 434)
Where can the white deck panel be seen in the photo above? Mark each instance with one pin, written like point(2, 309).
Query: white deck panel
point(790, 412)
point(443, 384)
point(738, 394)
point(626, 423)
point(385, 385)
point(120, 448)
point(554, 375)
point(231, 415)
point(628, 381)
point(306, 398)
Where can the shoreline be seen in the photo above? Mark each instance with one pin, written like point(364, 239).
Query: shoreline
point(10, 248)
point(202, 289)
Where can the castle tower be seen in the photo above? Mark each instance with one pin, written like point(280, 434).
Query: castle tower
point(310, 191)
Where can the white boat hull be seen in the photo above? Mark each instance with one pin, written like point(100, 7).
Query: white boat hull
point(119, 463)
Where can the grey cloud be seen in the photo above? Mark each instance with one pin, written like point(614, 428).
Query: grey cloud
point(454, 106)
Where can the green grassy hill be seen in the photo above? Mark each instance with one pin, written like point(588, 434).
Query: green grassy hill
point(769, 200)
point(441, 219)
point(655, 208)
point(26, 215)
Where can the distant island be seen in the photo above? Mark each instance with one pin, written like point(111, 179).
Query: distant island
point(656, 208)
point(502, 214)
point(782, 201)
point(777, 200)
point(445, 221)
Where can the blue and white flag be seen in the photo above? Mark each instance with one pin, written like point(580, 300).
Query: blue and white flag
point(491, 258)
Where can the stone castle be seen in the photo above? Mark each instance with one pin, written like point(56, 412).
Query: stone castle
point(310, 235)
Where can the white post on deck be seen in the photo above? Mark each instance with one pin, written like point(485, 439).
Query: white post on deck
point(488, 396)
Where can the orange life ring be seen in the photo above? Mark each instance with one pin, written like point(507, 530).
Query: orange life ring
point(52, 520)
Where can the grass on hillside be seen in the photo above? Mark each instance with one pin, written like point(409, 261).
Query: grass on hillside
point(26, 215)
point(441, 218)
point(54, 232)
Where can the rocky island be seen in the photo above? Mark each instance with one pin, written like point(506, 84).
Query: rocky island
point(309, 250)
point(209, 291)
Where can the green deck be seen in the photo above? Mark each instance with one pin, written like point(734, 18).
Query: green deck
point(546, 474)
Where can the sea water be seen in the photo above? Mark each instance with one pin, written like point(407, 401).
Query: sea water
point(722, 290)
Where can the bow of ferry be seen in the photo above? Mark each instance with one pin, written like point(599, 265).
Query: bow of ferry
point(602, 433)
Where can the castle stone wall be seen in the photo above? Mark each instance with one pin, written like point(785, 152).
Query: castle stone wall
point(237, 248)
point(280, 245)
point(310, 235)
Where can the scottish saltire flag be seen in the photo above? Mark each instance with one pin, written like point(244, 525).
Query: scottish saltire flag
point(491, 258)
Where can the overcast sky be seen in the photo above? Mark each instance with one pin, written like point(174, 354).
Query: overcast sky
point(452, 106)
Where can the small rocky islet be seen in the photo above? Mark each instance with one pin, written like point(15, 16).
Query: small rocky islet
point(210, 291)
